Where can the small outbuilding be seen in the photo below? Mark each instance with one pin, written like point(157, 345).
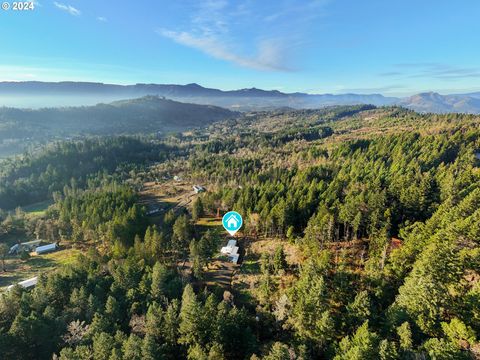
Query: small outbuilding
point(46, 248)
point(152, 212)
point(198, 189)
point(26, 246)
point(26, 284)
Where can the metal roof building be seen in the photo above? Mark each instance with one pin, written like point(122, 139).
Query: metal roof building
point(26, 283)
point(46, 248)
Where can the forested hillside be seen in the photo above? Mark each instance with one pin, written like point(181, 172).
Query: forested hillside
point(21, 128)
point(36, 176)
point(361, 240)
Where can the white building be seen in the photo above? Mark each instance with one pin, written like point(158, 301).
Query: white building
point(46, 248)
point(153, 211)
point(26, 283)
point(231, 250)
point(26, 246)
point(198, 189)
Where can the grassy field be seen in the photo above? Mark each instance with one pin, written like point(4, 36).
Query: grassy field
point(209, 221)
point(18, 270)
point(37, 209)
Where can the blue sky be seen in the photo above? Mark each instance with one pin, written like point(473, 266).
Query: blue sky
point(318, 46)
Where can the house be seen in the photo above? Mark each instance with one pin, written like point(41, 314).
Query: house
point(177, 178)
point(46, 248)
point(198, 189)
point(26, 283)
point(231, 250)
point(232, 222)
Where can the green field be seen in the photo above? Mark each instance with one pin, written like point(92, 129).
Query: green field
point(206, 221)
point(18, 270)
point(37, 209)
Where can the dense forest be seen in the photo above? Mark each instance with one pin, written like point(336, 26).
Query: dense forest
point(21, 129)
point(36, 176)
point(381, 207)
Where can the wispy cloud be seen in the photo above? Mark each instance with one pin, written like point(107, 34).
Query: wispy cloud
point(246, 36)
point(68, 8)
point(433, 70)
point(102, 19)
point(267, 57)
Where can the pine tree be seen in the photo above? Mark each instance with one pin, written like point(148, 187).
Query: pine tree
point(190, 318)
point(197, 209)
point(279, 261)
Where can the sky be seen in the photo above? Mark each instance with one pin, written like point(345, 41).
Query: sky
point(393, 47)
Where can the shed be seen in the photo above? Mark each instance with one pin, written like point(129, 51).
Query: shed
point(26, 283)
point(198, 189)
point(13, 249)
point(46, 248)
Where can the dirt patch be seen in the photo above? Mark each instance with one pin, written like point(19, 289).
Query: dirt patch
point(292, 253)
point(166, 195)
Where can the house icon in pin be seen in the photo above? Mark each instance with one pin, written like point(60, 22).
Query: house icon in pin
point(232, 222)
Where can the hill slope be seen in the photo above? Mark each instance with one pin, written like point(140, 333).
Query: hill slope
point(147, 114)
point(436, 103)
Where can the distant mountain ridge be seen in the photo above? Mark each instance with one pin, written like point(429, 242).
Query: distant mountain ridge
point(436, 103)
point(19, 94)
point(243, 99)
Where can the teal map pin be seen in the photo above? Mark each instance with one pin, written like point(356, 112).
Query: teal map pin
point(232, 222)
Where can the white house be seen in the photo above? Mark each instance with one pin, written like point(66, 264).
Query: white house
point(46, 248)
point(231, 250)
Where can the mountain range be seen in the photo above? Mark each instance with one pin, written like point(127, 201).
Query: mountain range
point(53, 94)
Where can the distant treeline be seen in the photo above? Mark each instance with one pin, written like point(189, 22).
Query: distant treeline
point(268, 139)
